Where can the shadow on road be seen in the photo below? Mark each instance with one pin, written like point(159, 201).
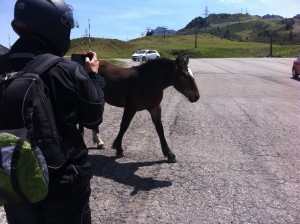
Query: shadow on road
point(108, 167)
point(297, 79)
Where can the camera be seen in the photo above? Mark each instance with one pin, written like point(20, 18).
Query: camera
point(80, 57)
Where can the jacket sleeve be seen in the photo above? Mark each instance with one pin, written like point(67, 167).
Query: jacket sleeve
point(77, 96)
point(90, 96)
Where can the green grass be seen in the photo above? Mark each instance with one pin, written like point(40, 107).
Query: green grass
point(208, 46)
point(249, 32)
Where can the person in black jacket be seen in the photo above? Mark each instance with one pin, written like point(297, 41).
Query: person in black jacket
point(76, 95)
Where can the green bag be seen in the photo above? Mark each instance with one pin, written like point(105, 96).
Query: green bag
point(23, 171)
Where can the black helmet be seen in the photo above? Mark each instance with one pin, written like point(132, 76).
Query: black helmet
point(50, 19)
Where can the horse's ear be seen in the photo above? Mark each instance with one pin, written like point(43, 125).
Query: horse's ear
point(182, 59)
point(187, 59)
point(177, 62)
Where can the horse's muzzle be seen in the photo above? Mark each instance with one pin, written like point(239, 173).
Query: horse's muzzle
point(193, 97)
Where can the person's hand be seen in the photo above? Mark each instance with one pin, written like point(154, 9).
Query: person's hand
point(92, 65)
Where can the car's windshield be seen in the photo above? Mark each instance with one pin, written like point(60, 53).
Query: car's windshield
point(298, 58)
point(141, 52)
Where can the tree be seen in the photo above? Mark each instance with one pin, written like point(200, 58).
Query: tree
point(196, 23)
point(149, 33)
point(289, 24)
point(291, 36)
point(227, 34)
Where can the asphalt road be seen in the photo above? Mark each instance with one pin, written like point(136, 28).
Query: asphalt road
point(238, 152)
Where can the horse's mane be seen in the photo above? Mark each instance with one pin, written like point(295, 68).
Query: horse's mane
point(149, 67)
point(157, 67)
point(156, 62)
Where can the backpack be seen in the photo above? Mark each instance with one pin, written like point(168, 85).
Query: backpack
point(29, 141)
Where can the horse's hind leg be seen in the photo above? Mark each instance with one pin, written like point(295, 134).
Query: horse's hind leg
point(128, 114)
point(81, 129)
point(156, 118)
point(97, 139)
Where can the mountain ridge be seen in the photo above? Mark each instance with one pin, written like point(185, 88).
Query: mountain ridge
point(3, 49)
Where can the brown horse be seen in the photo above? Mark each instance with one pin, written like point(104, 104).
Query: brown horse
point(141, 88)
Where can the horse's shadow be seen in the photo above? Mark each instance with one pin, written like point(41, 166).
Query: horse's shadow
point(124, 173)
point(297, 79)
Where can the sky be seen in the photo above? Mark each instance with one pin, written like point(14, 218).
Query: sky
point(129, 19)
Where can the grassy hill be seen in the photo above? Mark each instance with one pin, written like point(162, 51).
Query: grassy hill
point(250, 30)
point(244, 27)
point(227, 35)
point(227, 18)
point(208, 46)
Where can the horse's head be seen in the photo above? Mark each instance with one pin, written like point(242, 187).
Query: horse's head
point(183, 79)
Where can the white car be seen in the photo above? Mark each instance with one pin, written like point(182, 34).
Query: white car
point(145, 55)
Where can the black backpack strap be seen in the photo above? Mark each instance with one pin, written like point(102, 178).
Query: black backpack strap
point(14, 171)
point(1, 167)
point(42, 63)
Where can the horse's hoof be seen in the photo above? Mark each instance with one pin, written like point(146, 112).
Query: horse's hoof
point(120, 154)
point(172, 159)
point(100, 146)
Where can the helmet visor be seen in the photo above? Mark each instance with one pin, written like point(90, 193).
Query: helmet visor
point(68, 19)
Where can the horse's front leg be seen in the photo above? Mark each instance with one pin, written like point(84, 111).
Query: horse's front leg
point(156, 118)
point(97, 139)
point(128, 114)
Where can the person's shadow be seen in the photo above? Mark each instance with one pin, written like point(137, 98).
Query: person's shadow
point(124, 173)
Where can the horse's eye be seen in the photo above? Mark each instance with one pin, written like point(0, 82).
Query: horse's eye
point(187, 73)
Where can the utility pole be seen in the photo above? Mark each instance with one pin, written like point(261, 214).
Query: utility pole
point(90, 36)
point(9, 41)
point(206, 13)
point(196, 37)
point(271, 43)
point(270, 34)
point(86, 35)
point(164, 28)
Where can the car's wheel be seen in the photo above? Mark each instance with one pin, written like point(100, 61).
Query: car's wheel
point(143, 58)
point(294, 74)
